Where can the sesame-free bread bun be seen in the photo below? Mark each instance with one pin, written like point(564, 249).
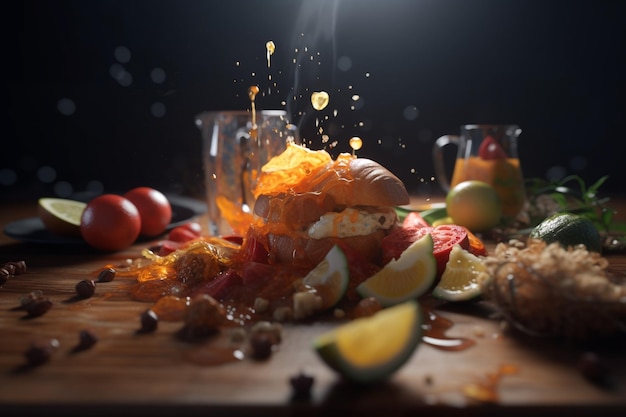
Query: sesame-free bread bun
point(372, 185)
point(364, 183)
point(284, 216)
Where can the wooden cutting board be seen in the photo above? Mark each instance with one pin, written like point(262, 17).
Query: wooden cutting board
point(159, 373)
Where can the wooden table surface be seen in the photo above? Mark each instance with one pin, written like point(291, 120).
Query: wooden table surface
point(158, 374)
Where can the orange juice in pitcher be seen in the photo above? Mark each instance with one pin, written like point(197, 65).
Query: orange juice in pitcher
point(486, 153)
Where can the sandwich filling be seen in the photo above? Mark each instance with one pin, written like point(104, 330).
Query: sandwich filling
point(352, 222)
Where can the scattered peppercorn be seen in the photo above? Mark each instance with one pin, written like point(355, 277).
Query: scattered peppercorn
point(38, 307)
point(14, 267)
point(4, 276)
point(86, 339)
point(301, 385)
point(149, 321)
point(35, 304)
point(593, 369)
point(40, 352)
point(106, 275)
point(10, 270)
point(262, 345)
point(86, 288)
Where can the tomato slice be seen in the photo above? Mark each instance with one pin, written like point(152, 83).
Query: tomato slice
point(414, 218)
point(400, 238)
point(491, 149)
point(445, 236)
point(476, 245)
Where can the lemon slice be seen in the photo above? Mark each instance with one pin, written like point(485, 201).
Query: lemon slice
point(405, 278)
point(369, 349)
point(463, 277)
point(330, 277)
point(61, 216)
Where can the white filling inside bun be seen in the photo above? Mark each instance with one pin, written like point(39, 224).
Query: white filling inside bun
point(352, 222)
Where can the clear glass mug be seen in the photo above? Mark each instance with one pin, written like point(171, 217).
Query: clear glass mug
point(487, 153)
point(233, 152)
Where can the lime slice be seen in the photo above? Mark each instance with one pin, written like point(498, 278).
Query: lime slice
point(369, 349)
point(61, 216)
point(463, 277)
point(405, 278)
point(443, 220)
point(329, 278)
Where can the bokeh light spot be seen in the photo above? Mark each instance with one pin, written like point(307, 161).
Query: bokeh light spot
point(46, 174)
point(119, 74)
point(344, 63)
point(66, 106)
point(555, 173)
point(122, 54)
point(157, 75)
point(63, 189)
point(8, 176)
point(95, 187)
point(157, 109)
point(410, 112)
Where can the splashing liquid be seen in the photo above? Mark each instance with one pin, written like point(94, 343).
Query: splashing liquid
point(252, 92)
point(270, 47)
point(355, 143)
point(319, 100)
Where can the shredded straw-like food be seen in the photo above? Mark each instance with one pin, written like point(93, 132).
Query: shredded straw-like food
point(548, 290)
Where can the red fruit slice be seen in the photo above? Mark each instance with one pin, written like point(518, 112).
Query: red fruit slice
point(414, 219)
point(491, 149)
point(444, 236)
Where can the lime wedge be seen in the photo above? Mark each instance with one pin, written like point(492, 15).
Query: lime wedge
point(463, 277)
point(404, 278)
point(329, 278)
point(61, 216)
point(369, 349)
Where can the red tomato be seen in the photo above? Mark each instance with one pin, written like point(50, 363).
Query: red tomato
point(399, 239)
point(181, 234)
point(194, 227)
point(491, 149)
point(414, 219)
point(444, 236)
point(154, 208)
point(476, 245)
point(110, 222)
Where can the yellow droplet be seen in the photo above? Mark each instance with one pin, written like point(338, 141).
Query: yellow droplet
point(319, 100)
point(270, 47)
point(356, 143)
point(252, 92)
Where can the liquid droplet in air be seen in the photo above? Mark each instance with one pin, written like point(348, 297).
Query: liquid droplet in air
point(253, 90)
point(319, 100)
point(270, 48)
point(355, 143)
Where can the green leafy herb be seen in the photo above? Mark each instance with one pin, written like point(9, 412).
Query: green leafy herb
point(573, 195)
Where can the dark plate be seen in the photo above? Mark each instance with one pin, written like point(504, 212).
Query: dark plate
point(32, 229)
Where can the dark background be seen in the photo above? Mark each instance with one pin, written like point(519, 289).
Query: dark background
point(101, 95)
